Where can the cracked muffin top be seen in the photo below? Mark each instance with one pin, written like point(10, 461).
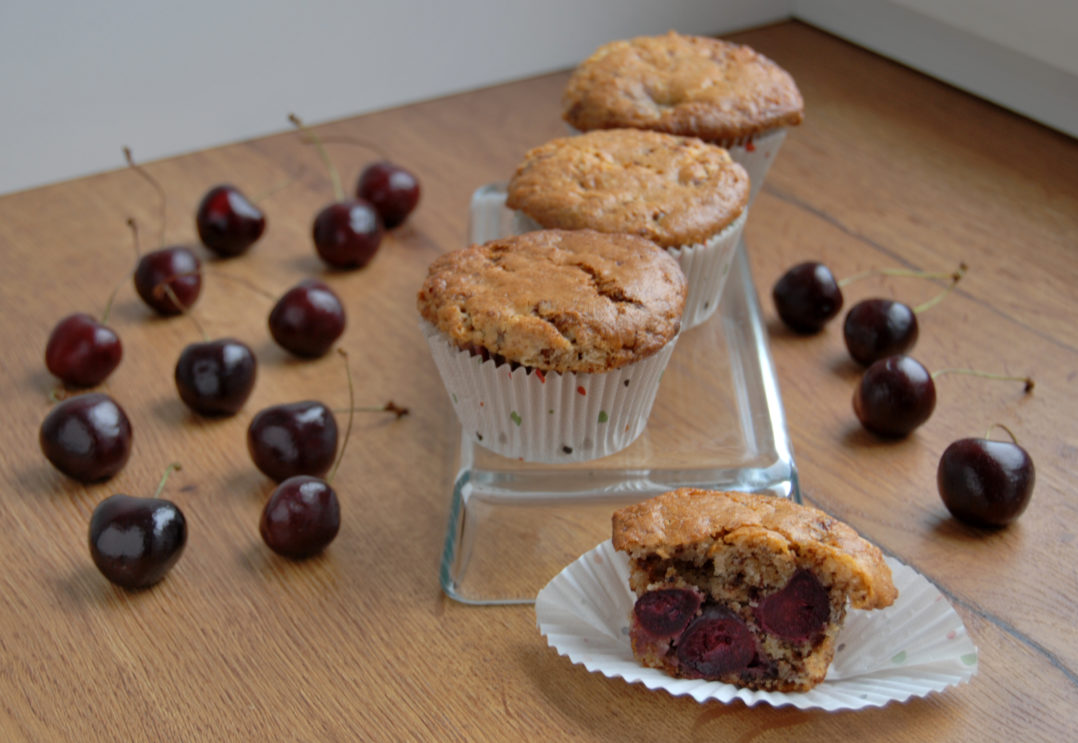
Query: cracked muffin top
point(556, 300)
point(672, 190)
point(690, 85)
point(691, 524)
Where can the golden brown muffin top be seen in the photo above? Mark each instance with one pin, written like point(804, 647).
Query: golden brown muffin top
point(687, 518)
point(672, 190)
point(691, 85)
point(563, 301)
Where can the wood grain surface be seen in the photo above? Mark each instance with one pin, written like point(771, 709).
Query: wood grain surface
point(890, 169)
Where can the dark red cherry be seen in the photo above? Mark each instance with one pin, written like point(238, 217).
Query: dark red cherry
point(307, 319)
point(228, 224)
point(176, 267)
point(895, 396)
point(347, 234)
point(807, 297)
point(392, 190)
point(301, 517)
point(798, 612)
point(985, 482)
point(82, 352)
point(667, 611)
point(216, 377)
point(877, 328)
point(87, 437)
point(716, 643)
point(298, 438)
point(135, 541)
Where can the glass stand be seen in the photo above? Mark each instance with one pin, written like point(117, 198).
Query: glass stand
point(717, 423)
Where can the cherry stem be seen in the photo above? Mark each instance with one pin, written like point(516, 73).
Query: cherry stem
point(929, 304)
point(356, 142)
point(389, 407)
point(108, 304)
point(168, 291)
point(164, 478)
point(908, 272)
point(312, 138)
point(134, 236)
point(351, 416)
point(987, 375)
point(153, 182)
point(1000, 425)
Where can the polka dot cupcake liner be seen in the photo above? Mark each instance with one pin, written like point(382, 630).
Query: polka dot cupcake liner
point(913, 648)
point(547, 417)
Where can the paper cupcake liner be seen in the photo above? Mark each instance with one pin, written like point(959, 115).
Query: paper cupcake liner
point(916, 646)
point(705, 265)
point(547, 417)
point(755, 154)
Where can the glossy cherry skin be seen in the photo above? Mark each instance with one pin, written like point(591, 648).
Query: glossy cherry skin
point(135, 541)
point(716, 643)
point(347, 234)
point(82, 352)
point(984, 482)
point(807, 297)
point(87, 437)
point(216, 377)
point(392, 190)
point(895, 396)
point(301, 517)
point(298, 438)
point(177, 267)
point(665, 612)
point(228, 223)
point(877, 328)
point(307, 319)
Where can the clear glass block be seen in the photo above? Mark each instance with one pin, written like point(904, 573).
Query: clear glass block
point(717, 423)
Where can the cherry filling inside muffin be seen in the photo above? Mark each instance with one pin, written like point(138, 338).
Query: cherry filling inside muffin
point(716, 643)
point(667, 611)
point(707, 639)
point(799, 611)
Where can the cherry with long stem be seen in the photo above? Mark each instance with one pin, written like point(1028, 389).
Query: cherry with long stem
point(348, 232)
point(876, 328)
point(897, 394)
point(214, 377)
point(808, 296)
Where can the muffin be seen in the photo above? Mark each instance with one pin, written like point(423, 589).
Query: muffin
point(684, 195)
point(551, 343)
point(743, 588)
point(724, 93)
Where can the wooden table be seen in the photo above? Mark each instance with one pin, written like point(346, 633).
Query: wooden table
point(889, 169)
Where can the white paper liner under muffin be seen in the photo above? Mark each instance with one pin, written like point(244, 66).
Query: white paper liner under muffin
point(916, 646)
point(547, 417)
point(705, 265)
point(755, 154)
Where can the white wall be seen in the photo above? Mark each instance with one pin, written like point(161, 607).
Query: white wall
point(1021, 54)
point(80, 80)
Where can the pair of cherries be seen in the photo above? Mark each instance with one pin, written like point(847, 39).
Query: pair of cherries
point(981, 481)
point(348, 232)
